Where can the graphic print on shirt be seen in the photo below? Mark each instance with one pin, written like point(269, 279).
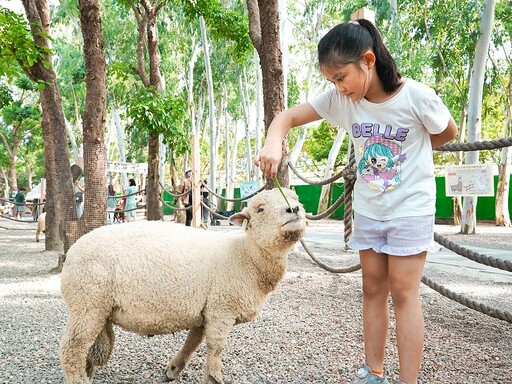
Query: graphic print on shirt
point(380, 164)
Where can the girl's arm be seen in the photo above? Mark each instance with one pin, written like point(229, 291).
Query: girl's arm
point(269, 157)
point(442, 138)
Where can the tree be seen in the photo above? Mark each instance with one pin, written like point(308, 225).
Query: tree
point(95, 202)
point(468, 224)
point(60, 202)
point(264, 32)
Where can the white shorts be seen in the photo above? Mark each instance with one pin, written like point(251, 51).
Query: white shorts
point(404, 236)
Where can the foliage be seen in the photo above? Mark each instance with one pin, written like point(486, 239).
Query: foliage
point(320, 142)
point(18, 51)
point(158, 114)
point(223, 24)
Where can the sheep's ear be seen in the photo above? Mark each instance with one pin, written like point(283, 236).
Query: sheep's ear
point(238, 218)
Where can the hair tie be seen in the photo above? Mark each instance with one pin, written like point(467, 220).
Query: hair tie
point(354, 22)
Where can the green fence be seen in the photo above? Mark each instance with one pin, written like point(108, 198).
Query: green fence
point(309, 195)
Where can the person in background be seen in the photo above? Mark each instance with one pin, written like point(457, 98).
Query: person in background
point(19, 200)
point(79, 189)
point(186, 199)
point(393, 123)
point(204, 195)
point(130, 203)
point(111, 203)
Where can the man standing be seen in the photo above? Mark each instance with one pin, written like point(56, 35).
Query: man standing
point(20, 203)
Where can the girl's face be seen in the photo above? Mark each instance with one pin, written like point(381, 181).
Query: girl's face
point(351, 80)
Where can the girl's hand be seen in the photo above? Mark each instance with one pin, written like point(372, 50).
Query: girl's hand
point(269, 157)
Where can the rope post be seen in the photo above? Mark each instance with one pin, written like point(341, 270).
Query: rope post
point(196, 181)
point(41, 197)
point(363, 13)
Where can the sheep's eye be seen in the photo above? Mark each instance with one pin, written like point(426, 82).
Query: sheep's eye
point(260, 210)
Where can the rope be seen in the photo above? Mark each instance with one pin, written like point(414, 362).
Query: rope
point(476, 146)
point(472, 304)
point(173, 194)
point(176, 208)
point(235, 199)
point(347, 173)
point(328, 211)
point(325, 266)
point(17, 220)
point(490, 261)
point(214, 213)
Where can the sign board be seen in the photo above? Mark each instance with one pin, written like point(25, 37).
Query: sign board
point(117, 166)
point(469, 180)
point(248, 188)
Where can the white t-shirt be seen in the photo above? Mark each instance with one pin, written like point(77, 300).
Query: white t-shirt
point(395, 169)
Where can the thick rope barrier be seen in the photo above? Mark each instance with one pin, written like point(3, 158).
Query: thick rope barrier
point(346, 173)
point(327, 267)
point(490, 261)
point(241, 199)
point(174, 193)
point(328, 212)
point(476, 146)
point(472, 304)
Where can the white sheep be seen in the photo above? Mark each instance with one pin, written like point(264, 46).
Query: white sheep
point(41, 225)
point(155, 278)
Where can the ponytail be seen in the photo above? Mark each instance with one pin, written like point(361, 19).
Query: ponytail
point(347, 43)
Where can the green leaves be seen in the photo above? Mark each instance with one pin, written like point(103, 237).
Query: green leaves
point(222, 23)
point(18, 51)
point(152, 112)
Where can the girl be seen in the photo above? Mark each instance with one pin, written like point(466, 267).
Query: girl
point(130, 202)
point(393, 227)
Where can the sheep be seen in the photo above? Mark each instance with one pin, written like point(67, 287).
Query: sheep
point(155, 278)
point(41, 225)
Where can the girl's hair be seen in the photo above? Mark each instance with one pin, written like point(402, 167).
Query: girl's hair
point(111, 191)
point(131, 182)
point(347, 43)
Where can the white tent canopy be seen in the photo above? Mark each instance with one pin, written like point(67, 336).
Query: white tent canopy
point(35, 193)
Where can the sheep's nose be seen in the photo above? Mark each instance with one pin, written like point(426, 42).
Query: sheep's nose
point(294, 209)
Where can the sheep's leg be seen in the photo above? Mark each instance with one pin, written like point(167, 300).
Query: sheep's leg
point(178, 364)
point(81, 333)
point(216, 334)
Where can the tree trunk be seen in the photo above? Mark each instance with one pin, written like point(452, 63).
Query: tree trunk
point(60, 202)
point(155, 79)
point(502, 210)
point(95, 161)
point(323, 202)
point(120, 141)
point(211, 105)
point(475, 107)
point(244, 104)
point(257, 138)
point(264, 33)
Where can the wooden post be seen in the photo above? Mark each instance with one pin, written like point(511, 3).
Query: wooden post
point(196, 182)
point(41, 197)
point(364, 13)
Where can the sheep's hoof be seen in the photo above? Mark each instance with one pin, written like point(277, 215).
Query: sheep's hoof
point(213, 380)
point(172, 372)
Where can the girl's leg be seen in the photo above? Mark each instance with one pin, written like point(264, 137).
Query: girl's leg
point(374, 268)
point(404, 281)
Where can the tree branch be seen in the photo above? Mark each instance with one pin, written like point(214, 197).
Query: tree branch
point(254, 23)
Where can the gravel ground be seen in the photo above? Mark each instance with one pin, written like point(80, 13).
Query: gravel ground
point(309, 331)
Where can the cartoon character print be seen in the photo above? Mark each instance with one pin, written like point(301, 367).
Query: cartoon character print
point(380, 163)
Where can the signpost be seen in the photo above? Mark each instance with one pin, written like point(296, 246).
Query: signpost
point(469, 180)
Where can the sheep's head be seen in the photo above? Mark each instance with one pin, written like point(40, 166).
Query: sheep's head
point(270, 221)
